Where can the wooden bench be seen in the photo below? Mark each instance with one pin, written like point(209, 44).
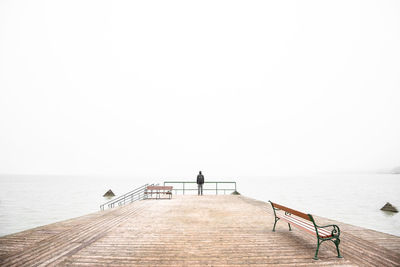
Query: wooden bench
point(307, 223)
point(158, 191)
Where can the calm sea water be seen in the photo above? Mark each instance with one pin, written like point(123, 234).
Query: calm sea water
point(30, 201)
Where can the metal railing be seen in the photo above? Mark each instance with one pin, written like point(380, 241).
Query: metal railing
point(132, 196)
point(215, 186)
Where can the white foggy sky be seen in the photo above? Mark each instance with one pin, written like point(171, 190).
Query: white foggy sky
point(173, 87)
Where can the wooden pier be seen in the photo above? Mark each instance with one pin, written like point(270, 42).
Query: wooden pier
point(191, 231)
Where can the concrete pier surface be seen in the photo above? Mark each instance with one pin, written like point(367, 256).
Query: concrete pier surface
point(222, 230)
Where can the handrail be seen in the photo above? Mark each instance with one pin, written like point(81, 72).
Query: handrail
point(216, 189)
point(134, 195)
point(136, 189)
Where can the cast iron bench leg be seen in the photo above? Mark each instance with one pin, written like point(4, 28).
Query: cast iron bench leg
point(276, 220)
point(316, 252)
point(337, 242)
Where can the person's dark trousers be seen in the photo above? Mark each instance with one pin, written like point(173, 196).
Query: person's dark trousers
point(200, 191)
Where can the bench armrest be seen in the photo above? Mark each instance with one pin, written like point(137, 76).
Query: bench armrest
point(335, 229)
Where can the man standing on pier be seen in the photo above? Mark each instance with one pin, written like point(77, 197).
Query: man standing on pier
point(200, 182)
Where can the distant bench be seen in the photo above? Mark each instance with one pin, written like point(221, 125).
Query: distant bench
point(307, 223)
point(158, 191)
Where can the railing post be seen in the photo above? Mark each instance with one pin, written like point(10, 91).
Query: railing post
point(183, 187)
point(216, 188)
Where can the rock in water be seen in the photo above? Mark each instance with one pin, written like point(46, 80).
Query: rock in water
point(389, 207)
point(109, 193)
point(396, 170)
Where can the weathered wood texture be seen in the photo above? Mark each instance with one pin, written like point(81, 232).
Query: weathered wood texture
point(189, 231)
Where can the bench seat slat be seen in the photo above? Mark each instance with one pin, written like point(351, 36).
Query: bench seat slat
point(293, 222)
point(159, 187)
point(306, 225)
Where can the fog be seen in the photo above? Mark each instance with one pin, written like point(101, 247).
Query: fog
point(168, 88)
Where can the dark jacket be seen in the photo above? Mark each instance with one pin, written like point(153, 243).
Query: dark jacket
point(200, 179)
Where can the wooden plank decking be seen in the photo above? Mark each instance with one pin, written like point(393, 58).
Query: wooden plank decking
point(189, 231)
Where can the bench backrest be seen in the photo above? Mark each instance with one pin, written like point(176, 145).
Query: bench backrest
point(291, 211)
point(159, 187)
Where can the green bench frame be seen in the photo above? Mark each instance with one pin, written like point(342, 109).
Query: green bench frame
point(334, 232)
